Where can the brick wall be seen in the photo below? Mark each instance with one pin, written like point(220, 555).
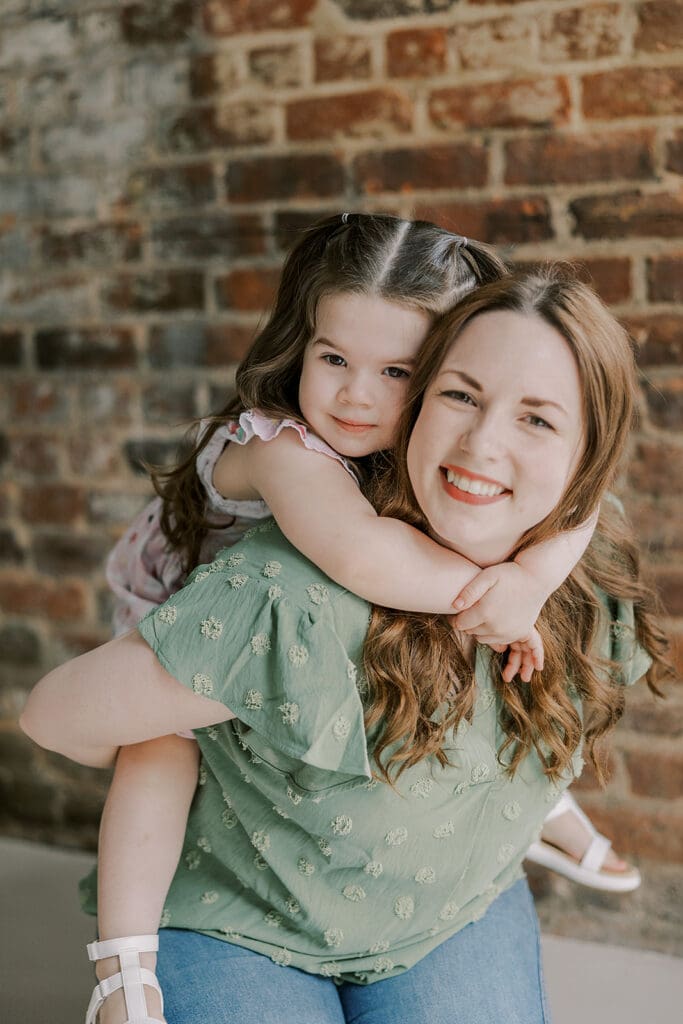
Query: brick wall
point(156, 160)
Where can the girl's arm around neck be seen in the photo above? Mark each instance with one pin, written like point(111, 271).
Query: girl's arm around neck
point(111, 697)
point(551, 561)
point(323, 514)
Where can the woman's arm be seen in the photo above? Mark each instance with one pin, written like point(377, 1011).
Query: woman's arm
point(321, 511)
point(114, 696)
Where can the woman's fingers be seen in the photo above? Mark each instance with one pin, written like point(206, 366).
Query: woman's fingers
point(473, 592)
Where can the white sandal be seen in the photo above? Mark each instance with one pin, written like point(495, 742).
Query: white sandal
point(589, 870)
point(131, 977)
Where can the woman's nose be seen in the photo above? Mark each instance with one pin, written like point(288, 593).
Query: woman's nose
point(483, 437)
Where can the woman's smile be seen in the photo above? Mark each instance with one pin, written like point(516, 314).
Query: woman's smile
point(463, 485)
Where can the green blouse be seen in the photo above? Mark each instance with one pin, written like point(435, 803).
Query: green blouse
point(292, 848)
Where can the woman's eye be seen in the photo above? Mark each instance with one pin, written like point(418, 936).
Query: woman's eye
point(333, 360)
point(396, 372)
point(459, 396)
point(538, 421)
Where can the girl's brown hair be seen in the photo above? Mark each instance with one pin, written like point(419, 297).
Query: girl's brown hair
point(420, 683)
point(413, 263)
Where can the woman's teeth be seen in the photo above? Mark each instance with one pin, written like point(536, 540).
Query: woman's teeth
point(466, 483)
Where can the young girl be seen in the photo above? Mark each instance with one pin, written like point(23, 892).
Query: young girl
point(319, 395)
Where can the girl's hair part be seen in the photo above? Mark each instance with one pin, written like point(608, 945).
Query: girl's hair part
point(413, 263)
point(421, 685)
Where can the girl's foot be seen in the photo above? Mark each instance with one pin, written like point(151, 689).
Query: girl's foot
point(571, 846)
point(127, 991)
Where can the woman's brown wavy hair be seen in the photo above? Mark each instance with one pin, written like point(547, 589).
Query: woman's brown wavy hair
point(410, 262)
point(421, 685)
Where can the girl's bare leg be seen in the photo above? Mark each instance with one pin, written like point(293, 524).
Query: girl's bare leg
point(141, 836)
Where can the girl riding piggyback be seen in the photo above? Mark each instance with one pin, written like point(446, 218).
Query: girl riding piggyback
point(318, 400)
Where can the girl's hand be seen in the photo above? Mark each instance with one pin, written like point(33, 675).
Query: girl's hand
point(523, 657)
point(500, 606)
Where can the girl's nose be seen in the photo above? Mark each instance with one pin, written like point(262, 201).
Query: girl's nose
point(356, 391)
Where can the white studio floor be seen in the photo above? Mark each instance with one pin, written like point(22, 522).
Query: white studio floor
point(45, 977)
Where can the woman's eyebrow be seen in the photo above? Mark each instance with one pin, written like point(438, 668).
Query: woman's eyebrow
point(465, 377)
point(535, 403)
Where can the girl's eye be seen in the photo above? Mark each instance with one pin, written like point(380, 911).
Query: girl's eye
point(538, 421)
point(459, 396)
point(396, 372)
point(333, 360)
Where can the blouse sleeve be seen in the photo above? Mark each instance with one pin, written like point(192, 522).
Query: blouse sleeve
point(282, 671)
point(632, 659)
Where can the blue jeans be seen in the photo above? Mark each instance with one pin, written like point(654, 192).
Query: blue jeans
point(487, 973)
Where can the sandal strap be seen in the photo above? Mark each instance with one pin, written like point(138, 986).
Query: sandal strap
point(594, 857)
point(131, 978)
point(125, 944)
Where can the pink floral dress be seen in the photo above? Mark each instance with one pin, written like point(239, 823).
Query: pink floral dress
point(143, 571)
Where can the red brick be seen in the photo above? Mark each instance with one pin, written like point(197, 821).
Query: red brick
point(35, 454)
point(228, 343)
point(163, 290)
point(318, 175)
point(11, 349)
point(52, 503)
point(633, 92)
point(665, 278)
point(640, 831)
point(85, 349)
point(584, 33)
point(101, 245)
point(656, 468)
point(416, 53)
point(629, 214)
point(169, 403)
point(670, 587)
point(674, 153)
point(464, 165)
point(375, 113)
point(94, 456)
point(665, 403)
point(174, 187)
point(610, 276)
point(208, 236)
point(659, 339)
point(38, 401)
point(542, 102)
point(342, 57)
point(657, 773)
point(559, 159)
point(658, 524)
point(213, 74)
point(142, 23)
point(496, 43)
point(649, 716)
point(226, 17)
point(276, 67)
point(59, 554)
point(676, 640)
point(247, 290)
point(221, 127)
point(20, 595)
point(660, 26)
point(497, 221)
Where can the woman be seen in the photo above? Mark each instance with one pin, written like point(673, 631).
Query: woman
point(368, 791)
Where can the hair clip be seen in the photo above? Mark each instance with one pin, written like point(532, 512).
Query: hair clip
point(345, 218)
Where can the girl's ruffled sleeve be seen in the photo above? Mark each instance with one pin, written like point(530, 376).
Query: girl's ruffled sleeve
point(282, 670)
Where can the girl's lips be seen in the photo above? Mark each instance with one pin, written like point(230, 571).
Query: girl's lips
point(465, 497)
point(352, 427)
